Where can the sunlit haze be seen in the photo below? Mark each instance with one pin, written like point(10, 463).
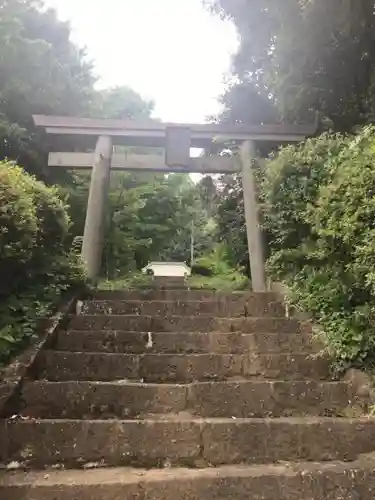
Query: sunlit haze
point(171, 51)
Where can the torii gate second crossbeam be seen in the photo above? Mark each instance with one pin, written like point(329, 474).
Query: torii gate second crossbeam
point(98, 138)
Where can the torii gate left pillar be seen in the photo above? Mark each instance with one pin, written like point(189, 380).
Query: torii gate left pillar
point(93, 237)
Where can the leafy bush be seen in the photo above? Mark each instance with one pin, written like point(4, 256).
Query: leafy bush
point(221, 283)
point(319, 212)
point(215, 263)
point(18, 226)
point(36, 262)
point(292, 181)
point(213, 271)
point(202, 269)
point(130, 281)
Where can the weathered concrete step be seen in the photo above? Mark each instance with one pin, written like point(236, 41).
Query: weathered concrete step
point(152, 443)
point(229, 307)
point(63, 366)
point(184, 295)
point(136, 323)
point(217, 399)
point(166, 281)
point(181, 342)
point(294, 481)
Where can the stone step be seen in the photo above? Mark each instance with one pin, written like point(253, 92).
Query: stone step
point(165, 281)
point(136, 323)
point(181, 342)
point(294, 481)
point(177, 442)
point(226, 308)
point(172, 287)
point(184, 295)
point(227, 399)
point(64, 366)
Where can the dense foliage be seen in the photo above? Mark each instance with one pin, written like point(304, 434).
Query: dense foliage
point(36, 261)
point(215, 271)
point(231, 221)
point(320, 214)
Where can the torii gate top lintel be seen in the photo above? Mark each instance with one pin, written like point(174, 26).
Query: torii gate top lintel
point(175, 138)
point(201, 135)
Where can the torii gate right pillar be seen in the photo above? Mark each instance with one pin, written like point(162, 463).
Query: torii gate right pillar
point(253, 228)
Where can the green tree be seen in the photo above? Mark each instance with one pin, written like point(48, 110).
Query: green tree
point(123, 103)
point(231, 221)
point(247, 103)
point(151, 217)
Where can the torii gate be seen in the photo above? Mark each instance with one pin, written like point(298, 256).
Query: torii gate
point(102, 135)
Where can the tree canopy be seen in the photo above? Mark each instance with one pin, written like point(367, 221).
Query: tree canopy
point(42, 71)
point(303, 56)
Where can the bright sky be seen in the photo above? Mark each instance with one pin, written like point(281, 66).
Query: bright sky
point(171, 51)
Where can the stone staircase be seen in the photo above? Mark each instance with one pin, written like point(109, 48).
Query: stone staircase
point(185, 395)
